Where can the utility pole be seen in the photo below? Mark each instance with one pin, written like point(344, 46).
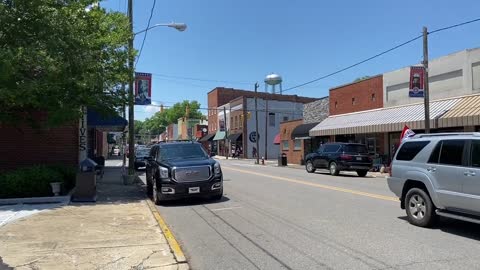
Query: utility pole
point(425, 80)
point(226, 133)
point(131, 128)
point(256, 124)
point(266, 126)
point(124, 141)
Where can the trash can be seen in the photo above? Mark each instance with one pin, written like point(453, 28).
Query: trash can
point(86, 182)
point(284, 159)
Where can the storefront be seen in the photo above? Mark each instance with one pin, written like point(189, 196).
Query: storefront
point(380, 129)
point(236, 144)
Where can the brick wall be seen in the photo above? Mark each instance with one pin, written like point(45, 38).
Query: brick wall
point(24, 146)
point(358, 96)
point(286, 128)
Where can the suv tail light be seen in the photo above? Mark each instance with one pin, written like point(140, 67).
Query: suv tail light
point(346, 157)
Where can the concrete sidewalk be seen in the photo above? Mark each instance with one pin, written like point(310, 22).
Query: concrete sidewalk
point(119, 231)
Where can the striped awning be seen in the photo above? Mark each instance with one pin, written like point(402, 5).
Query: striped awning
point(464, 113)
point(385, 119)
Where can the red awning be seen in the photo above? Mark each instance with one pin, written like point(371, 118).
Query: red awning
point(277, 139)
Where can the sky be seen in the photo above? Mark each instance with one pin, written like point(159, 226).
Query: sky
point(237, 43)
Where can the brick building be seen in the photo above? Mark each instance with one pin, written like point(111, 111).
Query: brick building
point(239, 120)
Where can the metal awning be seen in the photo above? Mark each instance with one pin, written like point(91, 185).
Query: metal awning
point(302, 131)
point(464, 113)
point(104, 122)
point(207, 138)
point(384, 120)
point(220, 135)
point(234, 137)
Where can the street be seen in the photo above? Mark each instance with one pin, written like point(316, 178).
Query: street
point(284, 218)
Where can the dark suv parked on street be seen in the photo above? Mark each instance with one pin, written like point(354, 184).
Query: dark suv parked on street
point(338, 157)
point(182, 169)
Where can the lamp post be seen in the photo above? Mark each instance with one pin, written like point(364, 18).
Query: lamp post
point(131, 79)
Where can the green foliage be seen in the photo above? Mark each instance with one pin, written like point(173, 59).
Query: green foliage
point(35, 181)
point(361, 78)
point(160, 120)
point(56, 57)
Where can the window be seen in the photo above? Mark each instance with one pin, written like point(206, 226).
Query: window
point(409, 150)
point(355, 148)
point(285, 145)
point(331, 148)
point(353, 101)
point(240, 124)
point(271, 119)
point(475, 155)
point(452, 152)
point(236, 121)
point(476, 76)
point(373, 97)
point(231, 122)
point(298, 145)
point(336, 104)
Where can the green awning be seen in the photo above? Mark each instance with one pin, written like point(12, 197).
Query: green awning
point(219, 136)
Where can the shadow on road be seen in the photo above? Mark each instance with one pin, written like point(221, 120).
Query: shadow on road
point(342, 174)
point(193, 202)
point(453, 226)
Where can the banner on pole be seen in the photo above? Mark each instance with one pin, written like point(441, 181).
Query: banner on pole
point(417, 82)
point(143, 88)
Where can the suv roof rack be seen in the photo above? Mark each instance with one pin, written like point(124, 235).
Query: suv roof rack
point(476, 134)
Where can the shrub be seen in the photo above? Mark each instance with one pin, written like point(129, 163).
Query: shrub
point(35, 181)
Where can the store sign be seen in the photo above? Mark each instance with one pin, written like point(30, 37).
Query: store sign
point(253, 136)
point(143, 88)
point(417, 82)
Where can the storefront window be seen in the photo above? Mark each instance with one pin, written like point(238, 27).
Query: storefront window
point(285, 146)
point(298, 145)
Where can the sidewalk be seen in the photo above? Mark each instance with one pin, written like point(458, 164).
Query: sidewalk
point(119, 231)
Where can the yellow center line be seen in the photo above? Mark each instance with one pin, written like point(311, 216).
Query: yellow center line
point(302, 182)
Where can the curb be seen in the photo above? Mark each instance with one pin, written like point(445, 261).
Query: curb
point(172, 242)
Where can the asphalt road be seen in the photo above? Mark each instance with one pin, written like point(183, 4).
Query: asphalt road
point(283, 218)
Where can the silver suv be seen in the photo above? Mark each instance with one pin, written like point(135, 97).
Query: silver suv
point(438, 175)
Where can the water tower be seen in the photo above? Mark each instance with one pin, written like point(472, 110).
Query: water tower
point(273, 80)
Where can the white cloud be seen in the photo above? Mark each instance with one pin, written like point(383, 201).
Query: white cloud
point(151, 109)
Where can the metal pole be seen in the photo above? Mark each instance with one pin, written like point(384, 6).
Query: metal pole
point(131, 129)
point(256, 124)
point(124, 141)
point(425, 81)
point(266, 126)
point(226, 132)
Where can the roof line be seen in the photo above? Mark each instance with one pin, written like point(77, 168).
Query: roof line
point(354, 82)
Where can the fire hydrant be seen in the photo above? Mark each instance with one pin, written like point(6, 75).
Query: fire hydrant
point(263, 161)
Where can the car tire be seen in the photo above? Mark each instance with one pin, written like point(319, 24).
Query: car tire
point(362, 173)
point(309, 166)
point(155, 194)
point(333, 169)
point(217, 197)
point(419, 207)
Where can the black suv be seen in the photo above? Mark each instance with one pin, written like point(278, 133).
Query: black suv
point(182, 169)
point(338, 157)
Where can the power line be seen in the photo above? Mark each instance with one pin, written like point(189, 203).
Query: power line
point(381, 53)
point(356, 64)
point(197, 79)
point(146, 32)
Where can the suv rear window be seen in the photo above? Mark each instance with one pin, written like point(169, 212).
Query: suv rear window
point(409, 150)
point(355, 148)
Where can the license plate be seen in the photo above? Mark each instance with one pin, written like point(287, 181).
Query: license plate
point(194, 190)
point(359, 158)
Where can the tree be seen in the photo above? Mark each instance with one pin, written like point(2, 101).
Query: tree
point(55, 56)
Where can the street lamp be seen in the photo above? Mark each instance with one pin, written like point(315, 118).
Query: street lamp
point(179, 26)
point(131, 139)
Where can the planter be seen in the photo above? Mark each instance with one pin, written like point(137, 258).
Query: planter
point(56, 188)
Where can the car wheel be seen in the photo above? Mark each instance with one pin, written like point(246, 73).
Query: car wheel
point(156, 196)
point(218, 196)
point(419, 208)
point(309, 167)
point(362, 173)
point(334, 169)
